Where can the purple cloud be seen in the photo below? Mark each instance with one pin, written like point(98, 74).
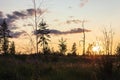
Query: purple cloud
point(72, 31)
point(83, 3)
point(17, 34)
point(16, 15)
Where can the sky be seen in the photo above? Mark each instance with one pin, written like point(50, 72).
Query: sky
point(64, 16)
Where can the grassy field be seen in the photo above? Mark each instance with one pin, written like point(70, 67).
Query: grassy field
point(57, 67)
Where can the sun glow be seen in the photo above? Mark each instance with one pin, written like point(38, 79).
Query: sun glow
point(96, 48)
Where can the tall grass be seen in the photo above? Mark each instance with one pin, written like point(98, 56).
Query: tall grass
point(36, 67)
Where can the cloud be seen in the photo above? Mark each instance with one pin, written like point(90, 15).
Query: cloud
point(56, 20)
point(17, 34)
point(1, 20)
point(76, 21)
point(71, 16)
point(1, 17)
point(11, 18)
point(83, 3)
point(56, 32)
point(31, 12)
point(72, 31)
point(71, 21)
point(1, 14)
point(19, 14)
point(16, 15)
point(70, 7)
point(29, 24)
point(23, 14)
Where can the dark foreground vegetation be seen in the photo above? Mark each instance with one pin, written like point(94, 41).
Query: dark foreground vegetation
point(59, 67)
point(51, 65)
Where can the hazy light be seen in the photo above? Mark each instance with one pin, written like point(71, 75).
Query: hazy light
point(96, 48)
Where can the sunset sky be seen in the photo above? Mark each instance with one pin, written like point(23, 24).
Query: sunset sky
point(63, 15)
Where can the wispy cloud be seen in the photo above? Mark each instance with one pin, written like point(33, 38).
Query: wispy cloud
point(52, 31)
point(29, 24)
point(83, 3)
point(71, 16)
point(76, 21)
point(19, 14)
point(23, 14)
point(16, 15)
point(1, 17)
point(56, 20)
point(17, 34)
point(70, 21)
point(1, 14)
point(72, 31)
point(70, 7)
point(30, 12)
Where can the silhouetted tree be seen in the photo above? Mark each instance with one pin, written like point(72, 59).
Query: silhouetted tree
point(36, 20)
point(106, 64)
point(12, 48)
point(43, 35)
point(108, 41)
point(118, 53)
point(62, 46)
point(74, 49)
point(4, 35)
point(47, 50)
point(89, 49)
point(118, 60)
point(118, 49)
point(84, 37)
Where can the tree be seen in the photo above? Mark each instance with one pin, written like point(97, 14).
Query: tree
point(36, 20)
point(118, 50)
point(84, 37)
point(12, 48)
point(43, 35)
point(4, 35)
point(89, 49)
point(47, 50)
point(108, 41)
point(74, 49)
point(62, 46)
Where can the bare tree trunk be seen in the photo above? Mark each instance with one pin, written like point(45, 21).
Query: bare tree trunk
point(43, 45)
point(36, 26)
point(111, 46)
point(83, 38)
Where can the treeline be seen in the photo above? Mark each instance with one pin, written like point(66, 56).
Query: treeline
point(8, 47)
point(43, 38)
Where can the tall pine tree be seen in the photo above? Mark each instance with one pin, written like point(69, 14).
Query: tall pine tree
point(62, 46)
point(12, 48)
point(4, 35)
point(43, 36)
point(74, 49)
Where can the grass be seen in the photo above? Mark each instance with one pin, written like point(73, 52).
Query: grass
point(41, 67)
